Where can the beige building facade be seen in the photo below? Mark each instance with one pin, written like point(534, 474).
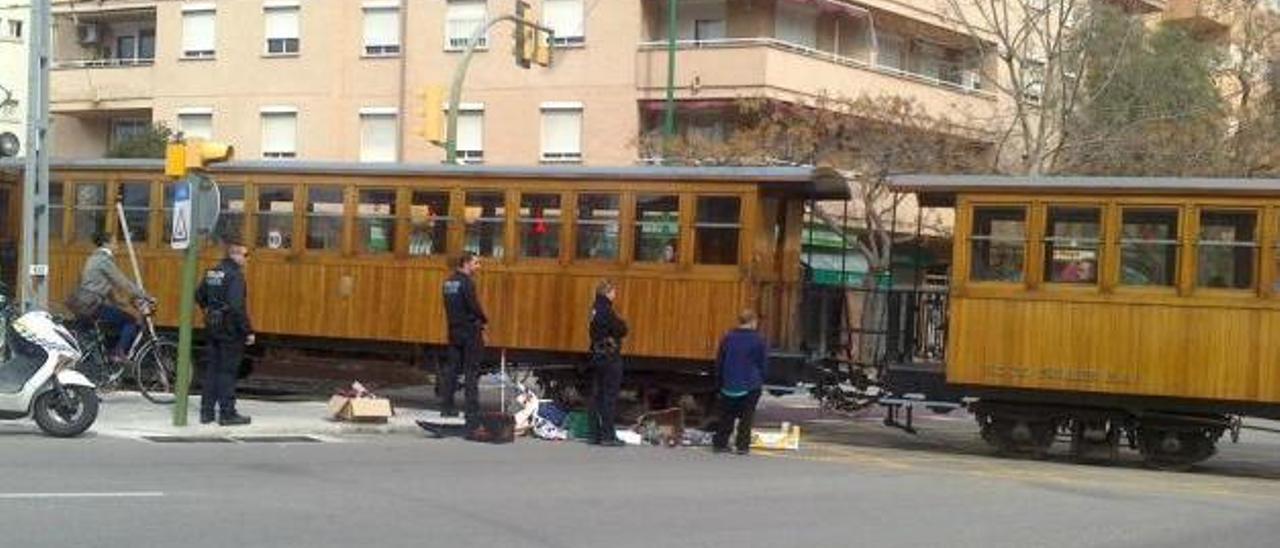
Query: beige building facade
point(13, 67)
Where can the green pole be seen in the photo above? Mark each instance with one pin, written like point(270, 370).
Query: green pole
point(186, 311)
point(669, 123)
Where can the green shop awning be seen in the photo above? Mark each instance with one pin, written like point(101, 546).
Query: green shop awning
point(834, 270)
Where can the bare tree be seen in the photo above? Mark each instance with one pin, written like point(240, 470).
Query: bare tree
point(1250, 74)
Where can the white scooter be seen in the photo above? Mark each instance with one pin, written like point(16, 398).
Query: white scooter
point(37, 379)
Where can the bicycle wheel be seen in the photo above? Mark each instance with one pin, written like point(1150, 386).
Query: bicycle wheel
point(157, 367)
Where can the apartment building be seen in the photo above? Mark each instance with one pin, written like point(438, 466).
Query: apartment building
point(338, 79)
point(13, 67)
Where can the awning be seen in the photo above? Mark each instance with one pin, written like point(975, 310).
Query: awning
point(832, 269)
point(834, 6)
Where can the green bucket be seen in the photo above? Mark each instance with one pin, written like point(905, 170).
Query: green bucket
point(577, 425)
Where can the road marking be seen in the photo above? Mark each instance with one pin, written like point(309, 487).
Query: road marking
point(117, 495)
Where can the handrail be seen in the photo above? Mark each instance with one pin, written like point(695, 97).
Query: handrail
point(828, 56)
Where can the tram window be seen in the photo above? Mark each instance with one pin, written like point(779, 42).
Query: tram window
point(1072, 244)
point(90, 211)
point(56, 208)
point(325, 210)
point(135, 198)
point(1228, 249)
point(599, 220)
point(540, 216)
point(998, 244)
point(429, 224)
point(376, 214)
point(1149, 247)
point(718, 225)
point(486, 214)
point(275, 217)
point(231, 218)
point(657, 228)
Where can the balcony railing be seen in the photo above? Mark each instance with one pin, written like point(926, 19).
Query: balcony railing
point(955, 76)
point(103, 63)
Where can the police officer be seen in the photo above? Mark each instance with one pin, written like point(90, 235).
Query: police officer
point(467, 324)
point(607, 330)
point(222, 296)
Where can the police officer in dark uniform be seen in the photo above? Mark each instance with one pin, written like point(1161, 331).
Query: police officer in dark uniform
point(607, 331)
point(467, 323)
point(223, 297)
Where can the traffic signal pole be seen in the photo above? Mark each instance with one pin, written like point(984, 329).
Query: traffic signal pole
point(186, 312)
point(669, 116)
point(35, 210)
point(460, 76)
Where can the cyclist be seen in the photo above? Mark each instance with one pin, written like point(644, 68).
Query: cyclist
point(94, 298)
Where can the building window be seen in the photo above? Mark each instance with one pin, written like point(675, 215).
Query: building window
point(718, 224)
point(461, 21)
point(429, 223)
point(57, 206)
point(147, 44)
point(279, 134)
point(135, 199)
point(599, 218)
point(1032, 80)
point(376, 221)
point(281, 29)
point(199, 34)
point(127, 47)
point(126, 129)
point(196, 123)
point(486, 214)
point(378, 132)
point(13, 29)
point(891, 52)
point(657, 227)
point(565, 18)
point(709, 29)
point(90, 211)
point(381, 29)
point(471, 134)
point(999, 241)
point(797, 25)
point(562, 133)
point(1228, 249)
point(540, 226)
point(325, 216)
point(275, 217)
point(1149, 247)
point(1072, 245)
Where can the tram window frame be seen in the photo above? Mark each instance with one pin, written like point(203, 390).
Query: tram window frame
point(702, 226)
point(333, 244)
point(1053, 243)
point(439, 245)
point(1173, 242)
point(97, 213)
point(637, 227)
point(265, 210)
point(57, 210)
point(227, 195)
point(1019, 276)
point(498, 244)
point(554, 228)
point(582, 225)
point(133, 212)
point(365, 220)
point(1274, 217)
point(1250, 248)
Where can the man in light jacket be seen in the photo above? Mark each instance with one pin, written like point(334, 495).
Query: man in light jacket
point(102, 279)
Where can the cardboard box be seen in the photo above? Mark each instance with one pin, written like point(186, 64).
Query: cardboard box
point(785, 438)
point(359, 409)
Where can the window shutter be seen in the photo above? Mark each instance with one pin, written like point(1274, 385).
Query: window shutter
point(279, 132)
point(378, 138)
point(196, 125)
point(471, 130)
point(561, 133)
point(198, 31)
point(563, 16)
point(461, 21)
point(282, 22)
point(381, 27)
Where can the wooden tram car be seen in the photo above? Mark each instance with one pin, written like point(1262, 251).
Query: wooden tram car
point(1139, 310)
point(357, 252)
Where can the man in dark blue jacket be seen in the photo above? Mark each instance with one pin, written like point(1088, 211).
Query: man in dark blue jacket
point(467, 323)
point(740, 366)
point(224, 299)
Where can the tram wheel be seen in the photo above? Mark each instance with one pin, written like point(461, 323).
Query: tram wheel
point(1020, 438)
point(1175, 450)
point(1094, 443)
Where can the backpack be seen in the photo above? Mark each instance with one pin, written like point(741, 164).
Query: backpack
point(84, 304)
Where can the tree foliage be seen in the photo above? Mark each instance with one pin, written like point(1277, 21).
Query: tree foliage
point(147, 144)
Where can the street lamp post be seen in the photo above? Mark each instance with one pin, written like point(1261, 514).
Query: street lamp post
point(35, 211)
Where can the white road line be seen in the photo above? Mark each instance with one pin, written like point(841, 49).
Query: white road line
point(118, 495)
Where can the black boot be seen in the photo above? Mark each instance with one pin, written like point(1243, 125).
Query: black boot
point(233, 419)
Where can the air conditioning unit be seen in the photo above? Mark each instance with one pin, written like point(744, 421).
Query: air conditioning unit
point(88, 33)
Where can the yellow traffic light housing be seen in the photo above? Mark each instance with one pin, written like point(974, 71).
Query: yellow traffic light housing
point(432, 112)
point(184, 156)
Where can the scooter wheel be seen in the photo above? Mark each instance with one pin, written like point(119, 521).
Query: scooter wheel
point(66, 417)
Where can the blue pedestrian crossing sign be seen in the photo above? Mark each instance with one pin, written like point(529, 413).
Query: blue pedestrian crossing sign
point(181, 237)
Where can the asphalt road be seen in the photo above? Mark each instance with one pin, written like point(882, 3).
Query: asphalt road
point(892, 490)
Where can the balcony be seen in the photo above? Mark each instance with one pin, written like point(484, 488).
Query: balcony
point(770, 67)
point(104, 59)
point(1199, 17)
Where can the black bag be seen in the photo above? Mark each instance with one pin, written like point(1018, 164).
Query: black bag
point(84, 304)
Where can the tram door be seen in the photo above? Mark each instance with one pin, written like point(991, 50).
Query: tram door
point(10, 226)
point(776, 275)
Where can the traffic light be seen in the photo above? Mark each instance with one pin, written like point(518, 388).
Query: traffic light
point(194, 154)
point(533, 45)
point(432, 113)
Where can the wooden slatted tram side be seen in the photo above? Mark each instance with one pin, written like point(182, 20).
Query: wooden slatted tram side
point(359, 252)
point(1133, 298)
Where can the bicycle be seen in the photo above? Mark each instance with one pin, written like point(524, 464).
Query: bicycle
point(151, 359)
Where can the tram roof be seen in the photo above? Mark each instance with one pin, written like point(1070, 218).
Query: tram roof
point(940, 190)
point(807, 182)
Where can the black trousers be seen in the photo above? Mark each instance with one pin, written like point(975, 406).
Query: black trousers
point(464, 354)
point(742, 410)
point(222, 369)
point(606, 382)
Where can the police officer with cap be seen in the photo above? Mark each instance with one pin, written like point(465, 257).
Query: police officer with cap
point(223, 297)
point(467, 323)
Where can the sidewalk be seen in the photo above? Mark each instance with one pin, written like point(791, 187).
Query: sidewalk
point(129, 415)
